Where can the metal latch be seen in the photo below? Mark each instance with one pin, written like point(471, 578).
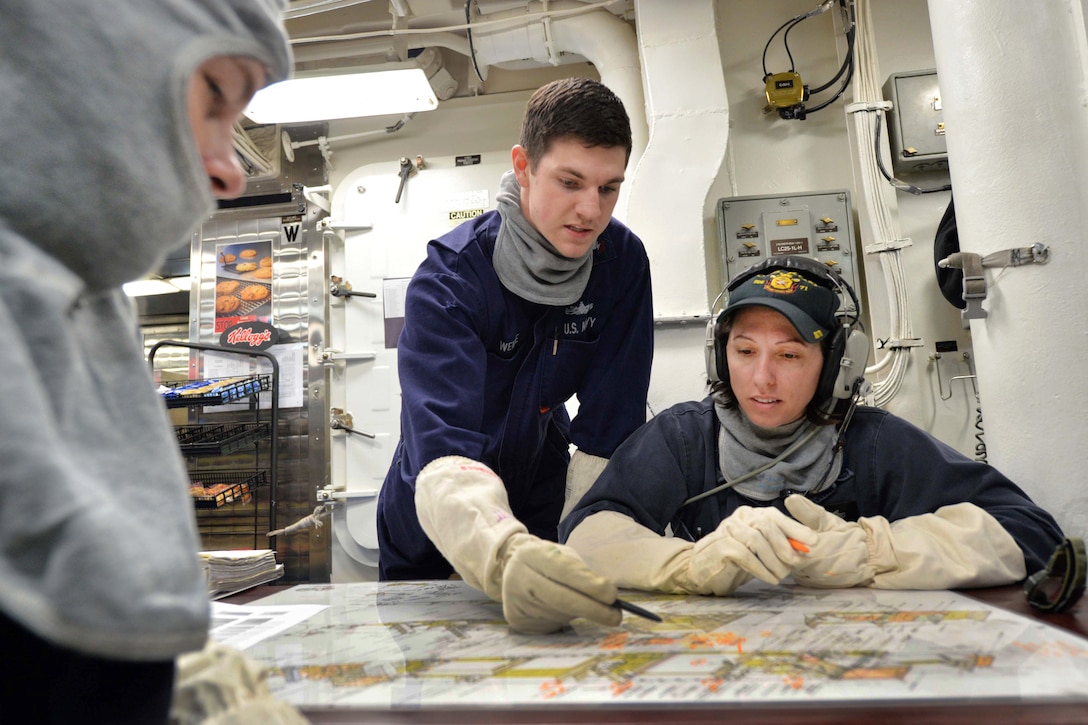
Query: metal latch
point(406, 170)
point(974, 281)
point(340, 420)
point(329, 356)
point(339, 287)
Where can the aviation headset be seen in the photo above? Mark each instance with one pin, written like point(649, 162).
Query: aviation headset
point(846, 351)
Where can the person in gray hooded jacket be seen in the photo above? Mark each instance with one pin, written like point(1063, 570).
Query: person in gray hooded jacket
point(116, 122)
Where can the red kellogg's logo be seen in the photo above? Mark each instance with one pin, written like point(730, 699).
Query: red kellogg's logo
point(247, 336)
point(257, 335)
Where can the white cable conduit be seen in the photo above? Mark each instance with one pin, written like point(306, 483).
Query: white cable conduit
point(868, 102)
point(510, 19)
point(362, 134)
point(244, 146)
point(324, 142)
point(302, 8)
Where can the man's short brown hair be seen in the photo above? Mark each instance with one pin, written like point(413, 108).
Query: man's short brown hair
point(579, 108)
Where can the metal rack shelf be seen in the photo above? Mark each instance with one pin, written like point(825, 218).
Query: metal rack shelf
point(229, 502)
point(219, 440)
point(216, 489)
point(217, 391)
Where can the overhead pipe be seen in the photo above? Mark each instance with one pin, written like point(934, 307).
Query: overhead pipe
point(387, 46)
point(600, 37)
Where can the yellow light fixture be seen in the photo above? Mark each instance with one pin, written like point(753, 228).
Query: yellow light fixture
point(351, 95)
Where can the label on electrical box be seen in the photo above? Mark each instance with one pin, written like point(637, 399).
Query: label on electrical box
point(789, 246)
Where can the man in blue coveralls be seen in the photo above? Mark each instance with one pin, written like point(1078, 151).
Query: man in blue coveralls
point(511, 314)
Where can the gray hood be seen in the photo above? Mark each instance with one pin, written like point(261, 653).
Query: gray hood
point(82, 125)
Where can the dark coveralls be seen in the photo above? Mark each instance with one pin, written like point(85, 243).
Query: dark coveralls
point(890, 468)
point(485, 374)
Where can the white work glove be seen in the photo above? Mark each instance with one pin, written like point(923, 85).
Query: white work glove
point(751, 542)
point(222, 686)
point(957, 546)
point(463, 508)
point(582, 473)
point(545, 585)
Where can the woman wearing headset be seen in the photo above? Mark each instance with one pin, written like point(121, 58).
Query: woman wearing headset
point(779, 472)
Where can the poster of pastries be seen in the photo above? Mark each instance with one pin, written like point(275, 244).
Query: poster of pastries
point(243, 283)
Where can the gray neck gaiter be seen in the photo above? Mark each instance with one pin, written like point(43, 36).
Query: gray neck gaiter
point(744, 447)
point(527, 264)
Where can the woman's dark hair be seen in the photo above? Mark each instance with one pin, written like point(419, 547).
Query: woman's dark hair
point(579, 108)
point(819, 412)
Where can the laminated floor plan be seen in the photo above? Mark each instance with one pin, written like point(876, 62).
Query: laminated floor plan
point(421, 644)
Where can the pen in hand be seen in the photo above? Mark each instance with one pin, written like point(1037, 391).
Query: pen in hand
point(634, 609)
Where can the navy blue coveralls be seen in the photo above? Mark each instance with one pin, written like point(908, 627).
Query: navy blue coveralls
point(485, 374)
point(890, 468)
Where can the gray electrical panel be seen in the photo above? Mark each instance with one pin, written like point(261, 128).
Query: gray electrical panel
point(916, 122)
point(817, 225)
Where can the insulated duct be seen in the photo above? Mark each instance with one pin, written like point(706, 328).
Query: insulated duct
point(671, 194)
point(388, 49)
point(598, 36)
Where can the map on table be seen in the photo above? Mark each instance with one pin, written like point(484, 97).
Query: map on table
point(424, 644)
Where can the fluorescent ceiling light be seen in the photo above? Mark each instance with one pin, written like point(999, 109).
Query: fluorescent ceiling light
point(156, 286)
point(327, 98)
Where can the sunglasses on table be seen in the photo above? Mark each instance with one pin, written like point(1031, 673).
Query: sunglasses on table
point(1058, 587)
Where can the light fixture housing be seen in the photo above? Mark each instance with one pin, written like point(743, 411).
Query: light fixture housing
point(157, 286)
point(350, 95)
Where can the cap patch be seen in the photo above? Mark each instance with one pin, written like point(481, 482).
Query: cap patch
point(783, 282)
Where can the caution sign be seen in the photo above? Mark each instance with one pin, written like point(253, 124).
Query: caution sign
point(459, 215)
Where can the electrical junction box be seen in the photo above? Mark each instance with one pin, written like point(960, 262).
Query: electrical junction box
point(818, 225)
point(915, 122)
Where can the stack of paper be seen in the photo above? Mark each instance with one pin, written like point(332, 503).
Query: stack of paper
point(232, 571)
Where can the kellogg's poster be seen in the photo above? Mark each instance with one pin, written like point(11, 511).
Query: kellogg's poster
point(243, 283)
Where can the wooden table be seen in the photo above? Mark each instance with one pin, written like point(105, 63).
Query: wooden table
point(1010, 598)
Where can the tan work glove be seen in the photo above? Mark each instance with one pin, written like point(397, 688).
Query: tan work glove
point(463, 508)
point(582, 472)
point(956, 546)
point(751, 542)
point(222, 686)
point(545, 585)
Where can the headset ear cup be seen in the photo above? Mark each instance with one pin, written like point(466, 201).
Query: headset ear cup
point(833, 353)
point(844, 364)
point(719, 359)
point(711, 352)
point(716, 369)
